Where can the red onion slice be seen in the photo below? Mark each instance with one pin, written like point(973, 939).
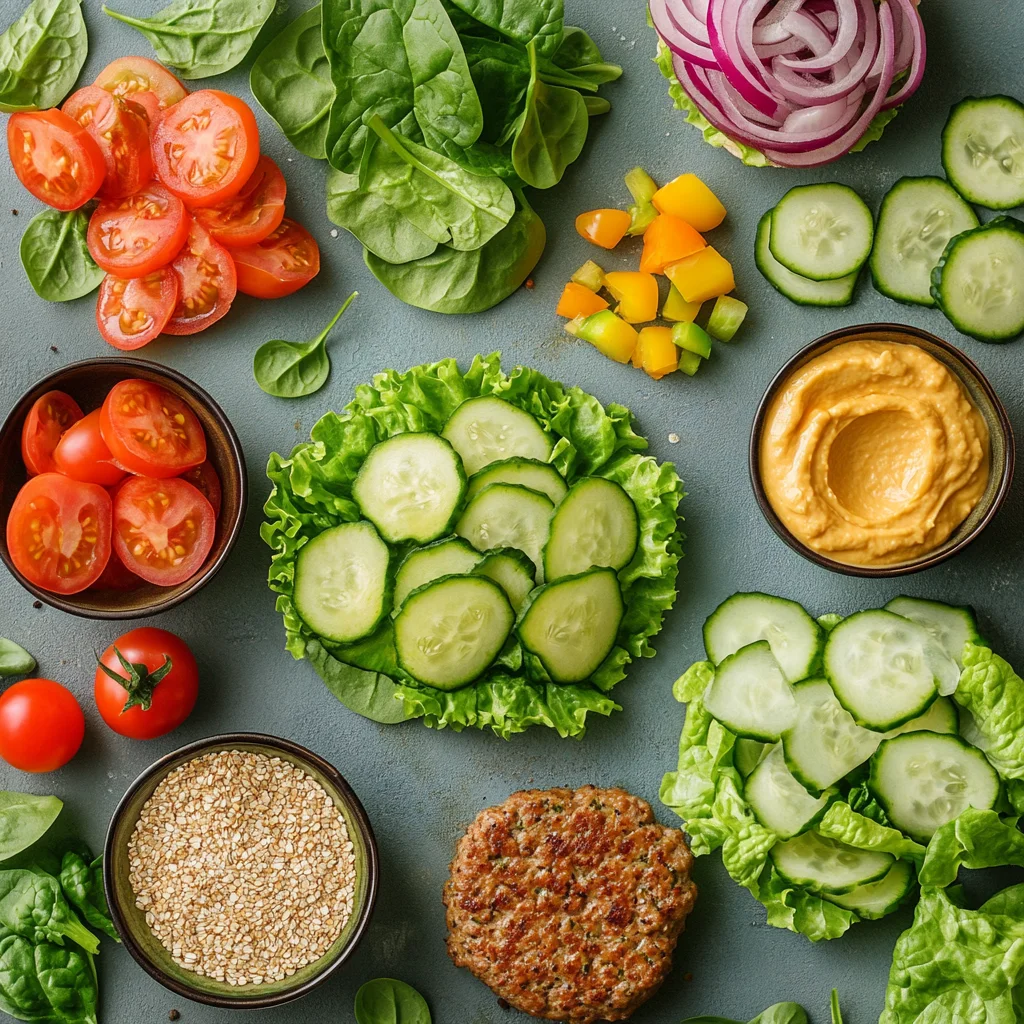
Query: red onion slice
point(849, 25)
point(676, 40)
point(914, 29)
point(722, 31)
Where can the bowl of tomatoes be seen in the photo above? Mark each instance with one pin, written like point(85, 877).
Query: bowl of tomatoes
point(122, 489)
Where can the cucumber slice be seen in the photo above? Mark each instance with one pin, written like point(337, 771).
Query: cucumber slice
point(512, 571)
point(800, 290)
point(595, 525)
point(876, 899)
point(779, 801)
point(488, 429)
point(822, 232)
point(571, 625)
point(341, 582)
point(796, 639)
point(442, 558)
point(917, 219)
point(508, 516)
point(951, 625)
point(826, 865)
point(940, 717)
point(748, 754)
point(449, 631)
point(410, 487)
point(983, 151)
point(751, 696)
point(538, 476)
point(925, 779)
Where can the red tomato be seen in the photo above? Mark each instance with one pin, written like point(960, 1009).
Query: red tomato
point(58, 533)
point(55, 158)
point(282, 263)
point(155, 693)
point(205, 147)
point(121, 130)
point(132, 313)
point(48, 418)
point(83, 455)
point(144, 82)
point(251, 215)
point(163, 529)
point(150, 430)
point(116, 576)
point(41, 725)
point(134, 236)
point(204, 478)
point(206, 283)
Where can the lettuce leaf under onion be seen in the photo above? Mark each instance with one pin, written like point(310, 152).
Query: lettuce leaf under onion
point(312, 492)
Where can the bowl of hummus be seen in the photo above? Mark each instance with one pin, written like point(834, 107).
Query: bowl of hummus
point(880, 450)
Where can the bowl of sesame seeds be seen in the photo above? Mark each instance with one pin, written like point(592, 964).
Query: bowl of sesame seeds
point(241, 871)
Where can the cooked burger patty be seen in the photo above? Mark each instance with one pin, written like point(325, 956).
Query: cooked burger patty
point(568, 903)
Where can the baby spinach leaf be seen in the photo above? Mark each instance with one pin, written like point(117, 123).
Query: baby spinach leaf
point(57, 260)
point(21, 995)
point(386, 1001)
point(41, 55)
point(294, 369)
point(578, 54)
point(782, 1013)
point(200, 38)
point(81, 880)
point(24, 819)
point(596, 105)
point(67, 977)
point(33, 906)
point(538, 21)
point(373, 695)
point(837, 1014)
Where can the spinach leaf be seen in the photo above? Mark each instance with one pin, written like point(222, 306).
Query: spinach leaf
point(200, 38)
point(56, 258)
point(707, 1019)
point(41, 55)
point(386, 1001)
point(33, 906)
point(291, 81)
point(578, 54)
point(67, 976)
point(837, 1014)
point(21, 995)
point(596, 105)
point(370, 694)
point(294, 369)
point(781, 1013)
point(25, 819)
point(14, 661)
point(449, 281)
point(81, 880)
point(537, 21)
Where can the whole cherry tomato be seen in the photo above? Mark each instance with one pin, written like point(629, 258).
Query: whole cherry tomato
point(41, 725)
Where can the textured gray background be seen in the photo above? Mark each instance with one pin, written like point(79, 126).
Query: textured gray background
point(421, 787)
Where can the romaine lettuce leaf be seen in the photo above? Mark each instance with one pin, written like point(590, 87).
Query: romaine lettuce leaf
point(977, 839)
point(994, 695)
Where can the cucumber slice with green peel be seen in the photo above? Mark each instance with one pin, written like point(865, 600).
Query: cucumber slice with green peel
point(508, 516)
point(796, 639)
point(512, 571)
point(877, 899)
point(917, 219)
point(410, 487)
point(826, 865)
point(488, 429)
point(748, 754)
point(594, 526)
point(751, 696)
point(442, 558)
point(940, 717)
point(822, 232)
point(925, 779)
point(800, 290)
point(779, 801)
point(571, 625)
point(448, 632)
point(341, 585)
point(951, 625)
point(538, 476)
point(983, 151)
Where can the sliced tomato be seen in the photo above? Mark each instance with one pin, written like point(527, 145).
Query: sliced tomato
point(82, 454)
point(48, 418)
point(205, 147)
point(150, 430)
point(286, 260)
point(131, 313)
point(250, 216)
point(55, 158)
point(144, 82)
point(163, 529)
point(134, 236)
point(58, 533)
point(121, 130)
point(117, 576)
point(207, 283)
point(204, 478)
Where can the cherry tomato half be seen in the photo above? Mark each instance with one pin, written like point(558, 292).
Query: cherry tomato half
point(150, 430)
point(58, 533)
point(205, 479)
point(131, 313)
point(83, 455)
point(41, 725)
point(144, 82)
point(48, 418)
point(55, 158)
point(163, 529)
point(205, 147)
point(207, 284)
point(286, 260)
point(250, 216)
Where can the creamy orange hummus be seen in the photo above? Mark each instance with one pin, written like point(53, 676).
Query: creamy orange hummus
point(872, 453)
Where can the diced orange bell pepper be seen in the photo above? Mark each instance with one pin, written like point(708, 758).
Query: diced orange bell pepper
point(691, 200)
point(605, 228)
point(704, 275)
point(678, 309)
point(637, 295)
point(638, 352)
point(667, 240)
point(579, 301)
point(608, 334)
point(659, 353)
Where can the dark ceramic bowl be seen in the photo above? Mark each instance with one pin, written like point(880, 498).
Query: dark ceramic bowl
point(88, 383)
point(981, 394)
point(147, 950)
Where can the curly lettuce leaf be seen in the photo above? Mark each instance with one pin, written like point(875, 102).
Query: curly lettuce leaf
point(994, 695)
point(843, 823)
point(976, 839)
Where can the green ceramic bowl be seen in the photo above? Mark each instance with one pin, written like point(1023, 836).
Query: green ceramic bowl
point(147, 949)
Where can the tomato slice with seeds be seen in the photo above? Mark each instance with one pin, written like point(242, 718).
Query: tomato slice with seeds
point(144, 82)
point(286, 260)
point(205, 479)
point(133, 236)
point(250, 216)
point(131, 313)
point(51, 414)
point(117, 576)
point(206, 283)
point(55, 158)
point(163, 529)
point(82, 454)
point(58, 533)
point(150, 430)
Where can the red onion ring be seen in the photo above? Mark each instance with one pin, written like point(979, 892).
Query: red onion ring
point(849, 23)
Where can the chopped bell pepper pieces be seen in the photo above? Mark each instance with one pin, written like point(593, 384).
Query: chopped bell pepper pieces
point(691, 200)
point(638, 352)
point(642, 188)
point(659, 354)
point(666, 241)
point(590, 275)
point(689, 362)
point(704, 275)
point(692, 339)
point(579, 301)
point(637, 295)
point(726, 318)
point(677, 308)
point(603, 227)
point(607, 333)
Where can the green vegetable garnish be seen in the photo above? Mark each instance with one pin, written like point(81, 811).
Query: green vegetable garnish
point(387, 1001)
point(33, 906)
point(56, 258)
point(14, 659)
point(525, 21)
point(24, 819)
point(82, 883)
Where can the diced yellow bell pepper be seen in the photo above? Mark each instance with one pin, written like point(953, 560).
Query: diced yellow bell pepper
point(659, 354)
point(590, 275)
point(603, 227)
point(638, 352)
point(637, 295)
point(677, 308)
point(691, 200)
point(579, 301)
point(692, 338)
point(704, 275)
point(667, 240)
point(608, 334)
point(642, 188)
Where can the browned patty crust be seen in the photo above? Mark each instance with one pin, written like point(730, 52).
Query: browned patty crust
point(569, 903)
